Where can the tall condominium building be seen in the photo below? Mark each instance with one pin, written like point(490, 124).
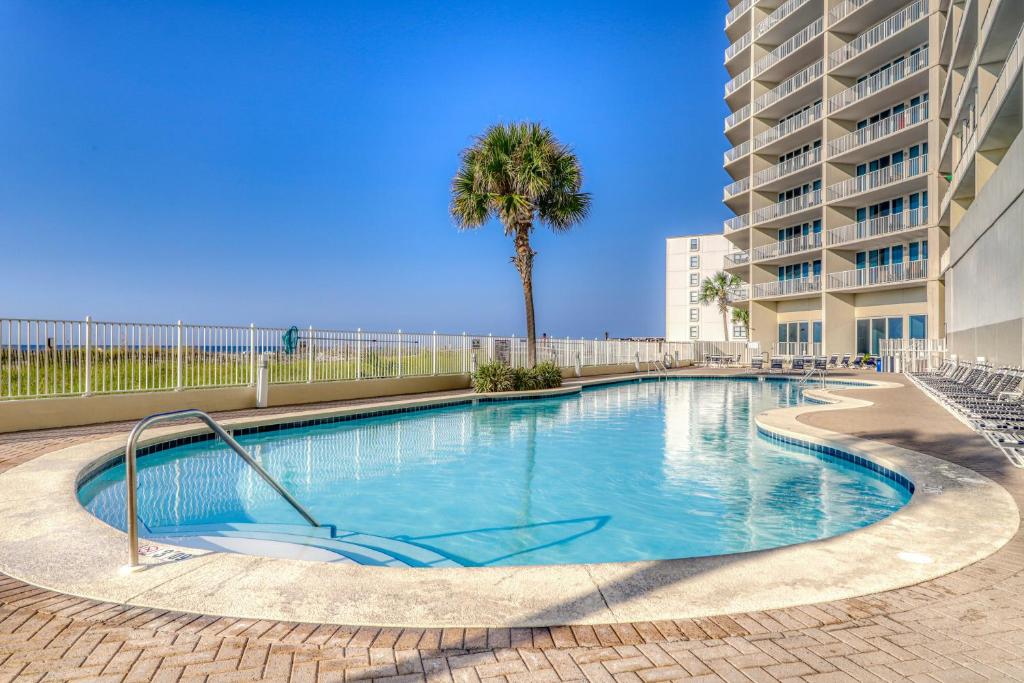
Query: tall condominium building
point(688, 260)
point(835, 139)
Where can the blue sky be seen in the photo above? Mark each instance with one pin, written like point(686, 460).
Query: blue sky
point(288, 163)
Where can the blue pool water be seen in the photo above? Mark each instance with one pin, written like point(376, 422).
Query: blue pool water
point(632, 471)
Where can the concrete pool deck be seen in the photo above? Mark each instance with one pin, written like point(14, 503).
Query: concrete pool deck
point(869, 633)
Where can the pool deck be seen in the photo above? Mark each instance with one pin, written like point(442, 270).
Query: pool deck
point(967, 625)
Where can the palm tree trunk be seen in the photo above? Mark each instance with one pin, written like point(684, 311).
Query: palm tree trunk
point(523, 261)
point(725, 326)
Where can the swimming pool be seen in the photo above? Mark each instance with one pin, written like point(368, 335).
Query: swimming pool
point(622, 472)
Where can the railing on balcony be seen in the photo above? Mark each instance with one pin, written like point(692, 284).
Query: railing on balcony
point(882, 177)
point(794, 43)
point(883, 79)
point(737, 152)
point(742, 78)
point(737, 12)
point(791, 125)
point(881, 31)
point(783, 169)
point(802, 285)
point(894, 273)
point(795, 245)
point(737, 117)
point(879, 129)
point(737, 258)
point(844, 9)
point(739, 293)
point(733, 189)
point(879, 227)
point(741, 44)
point(780, 13)
point(737, 222)
point(787, 207)
point(790, 85)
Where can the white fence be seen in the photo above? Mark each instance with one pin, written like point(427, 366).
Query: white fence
point(44, 358)
point(912, 355)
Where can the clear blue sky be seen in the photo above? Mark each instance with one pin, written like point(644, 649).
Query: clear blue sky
point(289, 162)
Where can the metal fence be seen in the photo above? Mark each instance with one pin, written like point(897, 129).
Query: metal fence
point(912, 355)
point(44, 358)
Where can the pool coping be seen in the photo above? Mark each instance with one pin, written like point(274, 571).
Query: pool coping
point(955, 518)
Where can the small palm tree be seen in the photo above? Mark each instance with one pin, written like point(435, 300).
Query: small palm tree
point(717, 289)
point(520, 174)
point(741, 316)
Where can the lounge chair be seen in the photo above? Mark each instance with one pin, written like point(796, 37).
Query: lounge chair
point(757, 363)
point(833, 361)
point(797, 364)
point(845, 362)
point(858, 362)
point(822, 364)
point(776, 365)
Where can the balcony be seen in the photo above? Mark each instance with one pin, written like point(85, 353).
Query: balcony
point(789, 86)
point(738, 294)
point(890, 26)
point(884, 79)
point(881, 227)
point(779, 15)
point(738, 11)
point(785, 288)
point(787, 168)
point(844, 9)
point(787, 127)
point(882, 178)
point(738, 187)
point(797, 245)
point(736, 223)
point(882, 130)
point(735, 84)
point(737, 258)
point(737, 117)
point(892, 275)
point(737, 152)
point(786, 208)
point(741, 44)
point(794, 43)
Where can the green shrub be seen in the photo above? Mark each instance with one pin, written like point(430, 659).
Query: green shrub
point(497, 376)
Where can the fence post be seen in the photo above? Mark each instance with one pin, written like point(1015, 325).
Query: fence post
point(512, 352)
point(309, 349)
point(180, 362)
point(88, 356)
point(433, 353)
point(490, 348)
point(465, 352)
point(359, 353)
point(399, 353)
point(252, 354)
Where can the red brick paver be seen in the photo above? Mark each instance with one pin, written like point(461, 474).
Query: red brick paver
point(966, 626)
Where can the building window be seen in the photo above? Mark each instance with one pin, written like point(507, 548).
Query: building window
point(739, 332)
point(695, 261)
point(694, 296)
point(871, 332)
point(694, 332)
point(694, 279)
point(694, 315)
point(694, 244)
point(918, 327)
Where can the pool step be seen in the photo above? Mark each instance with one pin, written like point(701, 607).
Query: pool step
point(358, 547)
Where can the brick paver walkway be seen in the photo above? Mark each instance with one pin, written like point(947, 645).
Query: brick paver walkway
point(963, 627)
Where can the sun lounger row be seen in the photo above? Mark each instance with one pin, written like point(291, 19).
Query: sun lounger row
point(805, 363)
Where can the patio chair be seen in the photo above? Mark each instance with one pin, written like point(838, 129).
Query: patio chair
point(776, 365)
point(833, 360)
point(797, 364)
point(858, 362)
point(821, 363)
point(845, 362)
point(757, 363)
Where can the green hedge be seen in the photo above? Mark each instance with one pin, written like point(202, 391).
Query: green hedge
point(497, 376)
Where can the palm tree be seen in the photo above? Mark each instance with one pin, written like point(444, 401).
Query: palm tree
point(520, 174)
point(741, 316)
point(717, 289)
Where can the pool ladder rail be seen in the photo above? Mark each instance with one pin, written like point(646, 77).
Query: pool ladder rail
point(131, 474)
point(657, 367)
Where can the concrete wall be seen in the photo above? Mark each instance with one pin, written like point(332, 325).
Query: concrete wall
point(985, 280)
point(46, 413)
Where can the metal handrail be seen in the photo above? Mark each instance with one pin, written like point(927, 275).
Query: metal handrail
point(131, 471)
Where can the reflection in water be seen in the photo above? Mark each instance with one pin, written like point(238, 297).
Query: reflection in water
point(625, 472)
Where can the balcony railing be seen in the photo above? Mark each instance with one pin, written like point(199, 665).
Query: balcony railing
point(795, 245)
point(737, 117)
point(737, 258)
point(742, 43)
point(780, 13)
point(894, 273)
point(794, 43)
point(737, 152)
point(783, 169)
point(737, 12)
point(790, 85)
point(883, 30)
point(879, 227)
point(883, 79)
point(737, 222)
point(733, 189)
point(879, 129)
point(739, 293)
point(802, 285)
point(786, 207)
point(791, 125)
point(735, 84)
point(882, 177)
point(844, 9)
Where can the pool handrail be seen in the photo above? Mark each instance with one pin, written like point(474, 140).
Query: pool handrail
point(131, 472)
